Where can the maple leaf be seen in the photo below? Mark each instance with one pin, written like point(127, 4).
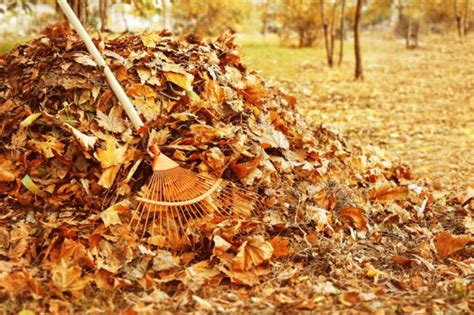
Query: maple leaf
point(47, 147)
point(111, 158)
point(158, 137)
point(252, 253)
point(448, 244)
point(110, 216)
point(112, 122)
point(68, 278)
point(112, 154)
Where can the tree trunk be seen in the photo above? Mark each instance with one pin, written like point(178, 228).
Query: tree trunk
point(408, 34)
point(341, 37)
point(466, 18)
point(103, 14)
point(80, 9)
point(358, 57)
point(458, 16)
point(332, 32)
point(326, 35)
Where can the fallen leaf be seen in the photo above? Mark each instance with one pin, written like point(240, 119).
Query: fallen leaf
point(448, 244)
point(401, 260)
point(31, 186)
point(252, 253)
point(183, 80)
point(151, 39)
point(110, 216)
point(113, 121)
point(68, 278)
point(280, 247)
point(86, 142)
point(389, 193)
point(7, 170)
point(85, 60)
point(353, 216)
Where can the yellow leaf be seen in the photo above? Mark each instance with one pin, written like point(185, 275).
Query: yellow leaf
point(110, 216)
point(67, 278)
point(150, 40)
point(113, 154)
point(183, 80)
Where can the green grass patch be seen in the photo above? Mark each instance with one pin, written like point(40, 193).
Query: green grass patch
point(6, 47)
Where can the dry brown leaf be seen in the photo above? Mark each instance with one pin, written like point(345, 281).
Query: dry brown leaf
point(389, 193)
point(353, 216)
point(86, 142)
point(7, 170)
point(110, 216)
point(113, 121)
point(252, 253)
point(401, 260)
point(447, 244)
point(68, 278)
point(244, 169)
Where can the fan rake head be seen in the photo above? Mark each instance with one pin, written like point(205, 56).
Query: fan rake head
point(175, 199)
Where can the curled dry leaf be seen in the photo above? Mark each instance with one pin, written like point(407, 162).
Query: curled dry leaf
point(86, 142)
point(389, 193)
point(252, 253)
point(354, 217)
point(244, 169)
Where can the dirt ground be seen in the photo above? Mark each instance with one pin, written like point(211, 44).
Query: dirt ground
point(417, 105)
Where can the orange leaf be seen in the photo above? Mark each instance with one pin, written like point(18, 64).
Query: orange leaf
point(401, 260)
point(447, 244)
point(353, 216)
point(280, 247)
point(389, 193)
point(243, 169)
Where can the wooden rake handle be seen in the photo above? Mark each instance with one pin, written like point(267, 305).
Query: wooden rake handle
point(113, 83)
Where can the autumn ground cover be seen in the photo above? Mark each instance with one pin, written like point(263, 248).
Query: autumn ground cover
point(346, 227)
point(417, 105)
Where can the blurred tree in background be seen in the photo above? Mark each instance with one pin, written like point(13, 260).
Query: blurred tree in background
point(301, 17)
point(209, 17)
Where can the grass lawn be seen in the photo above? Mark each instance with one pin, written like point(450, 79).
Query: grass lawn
point(416, 104)
point(6, 46)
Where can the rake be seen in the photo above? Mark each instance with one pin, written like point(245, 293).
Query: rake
point(175, 199)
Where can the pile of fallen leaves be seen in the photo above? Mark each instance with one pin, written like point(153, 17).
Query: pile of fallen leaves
point(341, 227)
